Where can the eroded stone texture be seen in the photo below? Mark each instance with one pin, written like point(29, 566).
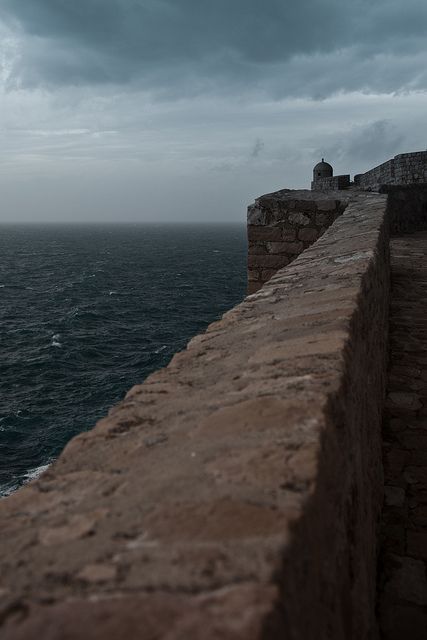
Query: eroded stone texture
point(407, 207)
point(282, 224)
point(403, 169)
point(403, 576)
point(235, 494)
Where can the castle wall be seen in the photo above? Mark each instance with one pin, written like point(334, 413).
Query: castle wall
point(283, 224)
point(333, 183)
point(383, 174)
point(236, 493)
point(405, 168)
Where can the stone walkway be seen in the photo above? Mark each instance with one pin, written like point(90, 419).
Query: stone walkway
point(403, 578)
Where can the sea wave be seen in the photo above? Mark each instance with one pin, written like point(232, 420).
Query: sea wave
point(155, 287)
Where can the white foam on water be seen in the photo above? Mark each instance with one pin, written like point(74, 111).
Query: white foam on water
point(55, 340)
point(32, 474)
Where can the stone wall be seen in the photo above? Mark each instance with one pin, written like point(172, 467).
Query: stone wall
point(403, 169)
point(406, 207)
point(373, 179)
point(411, 168)
point(333, 183)
point(235, 494)
point(281, 225)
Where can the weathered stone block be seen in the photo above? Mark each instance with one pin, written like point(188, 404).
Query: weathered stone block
point(267, 233)
point(300, 219)
point(308, 235)
point(291, 248)
point(256, 261)
point(288, 235)
point(268, 262)
point(394, 496)
point(266, 274)
point(257, 248)
point(254, 275)
point(327, 205)
point(323, 219)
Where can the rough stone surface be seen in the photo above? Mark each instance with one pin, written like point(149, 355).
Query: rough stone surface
point(403, 169)
point(235, 494)
point(403, 577)
point(332, 183)
point(283, 224)
point(406, 207)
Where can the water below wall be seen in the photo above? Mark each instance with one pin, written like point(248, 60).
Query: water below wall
point(86, 312)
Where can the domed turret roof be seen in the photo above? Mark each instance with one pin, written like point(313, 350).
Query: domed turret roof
point(323, 166)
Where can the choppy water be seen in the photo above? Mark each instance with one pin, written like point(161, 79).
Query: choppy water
point(86, 312)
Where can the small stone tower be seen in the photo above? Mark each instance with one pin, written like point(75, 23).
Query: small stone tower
point(322, 170)
point(324, 179)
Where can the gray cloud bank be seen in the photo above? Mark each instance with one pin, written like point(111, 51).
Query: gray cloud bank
point(178, 47)
point(163, 110)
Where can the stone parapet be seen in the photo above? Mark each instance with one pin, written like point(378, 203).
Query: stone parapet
point(235, 494)
point(282, 225)
point(403, 169)
point(332, 183)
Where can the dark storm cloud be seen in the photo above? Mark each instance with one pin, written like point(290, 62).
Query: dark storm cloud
point(309, 47)
point(366, 145)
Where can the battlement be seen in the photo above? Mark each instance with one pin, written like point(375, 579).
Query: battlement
point(403, 169)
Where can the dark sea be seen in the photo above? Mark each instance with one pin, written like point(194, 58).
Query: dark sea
point(88, 311)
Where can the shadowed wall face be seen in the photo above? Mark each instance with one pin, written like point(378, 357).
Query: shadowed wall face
point(281, 225)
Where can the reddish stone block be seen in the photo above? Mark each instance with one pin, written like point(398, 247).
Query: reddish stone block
point(266, 274)
point(292, 248)
point(258, 233)
point(257, 248)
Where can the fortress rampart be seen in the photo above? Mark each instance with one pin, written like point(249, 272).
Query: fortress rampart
point(281, 225)
point(403, 169)
point(237, 493)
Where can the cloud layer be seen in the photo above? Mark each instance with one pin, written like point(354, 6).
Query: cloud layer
point(310, 47)
point(187, 109)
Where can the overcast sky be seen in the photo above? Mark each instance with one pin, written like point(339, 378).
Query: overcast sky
point(165, 110)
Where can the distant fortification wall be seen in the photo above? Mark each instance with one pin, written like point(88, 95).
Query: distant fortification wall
point(403, 169)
